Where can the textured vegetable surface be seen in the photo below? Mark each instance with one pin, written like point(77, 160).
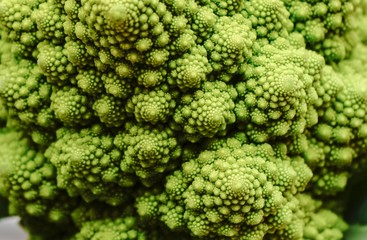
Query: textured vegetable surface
point(198, 119)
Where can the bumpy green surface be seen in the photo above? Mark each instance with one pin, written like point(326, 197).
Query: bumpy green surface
point(174, 119)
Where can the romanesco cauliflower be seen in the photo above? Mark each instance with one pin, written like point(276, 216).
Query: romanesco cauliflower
point(198, 119)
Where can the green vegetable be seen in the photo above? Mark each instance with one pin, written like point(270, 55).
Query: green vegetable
point(174, 119)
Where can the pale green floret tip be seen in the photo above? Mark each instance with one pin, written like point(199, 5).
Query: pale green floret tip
point(122, 17)
point(143, 45)
point(151, 107)
point(110, 110)
point(150, 78)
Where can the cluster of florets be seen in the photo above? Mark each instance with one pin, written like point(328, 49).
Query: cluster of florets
point(207, 119)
